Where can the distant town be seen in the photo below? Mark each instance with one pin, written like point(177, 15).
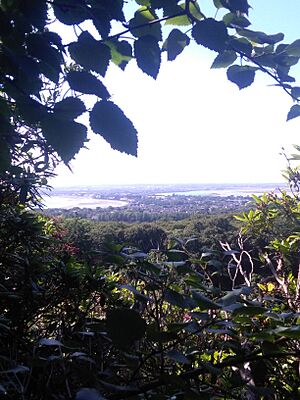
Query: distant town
point(146, 203)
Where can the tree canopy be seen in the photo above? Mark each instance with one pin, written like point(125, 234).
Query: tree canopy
point(46, 77)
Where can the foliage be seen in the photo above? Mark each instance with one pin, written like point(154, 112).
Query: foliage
point(127, 324)
point(46, 78)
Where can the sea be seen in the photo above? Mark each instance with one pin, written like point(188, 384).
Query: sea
point(90, 197)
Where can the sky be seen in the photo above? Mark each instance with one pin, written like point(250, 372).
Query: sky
point(193, 125)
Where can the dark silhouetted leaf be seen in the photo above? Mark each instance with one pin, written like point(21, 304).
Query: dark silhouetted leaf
point(235, 6)
point(84, 82)
point(175, 43)
point(211, 34)
point(296, 91)
point(66, 137)
point(204, 302)
point(225, 59)
point(88, 394)
point(90, 53)
point(70, 12)
point(49, 342)
point(294, 112)
point(242, 76)
point(147, 53)
point(69, 108)
point(261, 37)
point(233, 20)
point(109, 121)
point(177, 356)
point(242, 46)
point(124, 326)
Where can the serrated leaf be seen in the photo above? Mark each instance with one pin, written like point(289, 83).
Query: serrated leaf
point(224, 59)
point(101, 21)
point(88, 394)
point(124, 326)
point(66, 137)
point(69, 108)
point(294, 112)
point(175, 43)
point(211, 34)
point(109, 121)
point(70, 12)
point(147, 54)
point(242, 76)
point(144, 16)
point(85, 82)
point(90, 53)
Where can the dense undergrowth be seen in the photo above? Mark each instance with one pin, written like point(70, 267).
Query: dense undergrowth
point(86, 317)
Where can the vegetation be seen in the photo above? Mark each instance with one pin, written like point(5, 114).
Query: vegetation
point(86, 317)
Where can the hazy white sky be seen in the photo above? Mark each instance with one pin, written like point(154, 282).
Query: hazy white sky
point(194, 125)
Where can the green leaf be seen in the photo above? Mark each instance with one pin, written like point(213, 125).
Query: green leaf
point(66, 137)
point(294, 112)
point(260, 37)
point(224, 59)
point(70, 12)
point(85, 82)
point(292, 332)
point(175, 43)
point(144, 16)
point(233, 20)
point(90, 53)
point(293, 49)
point(242, 76)
point(109, 121)
point(88, 394)
point(147, 54)
point(184, 19)
point(69, 108)
point(121, 52)
point(211, 34)
point(177, 356)
point(124, 326)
